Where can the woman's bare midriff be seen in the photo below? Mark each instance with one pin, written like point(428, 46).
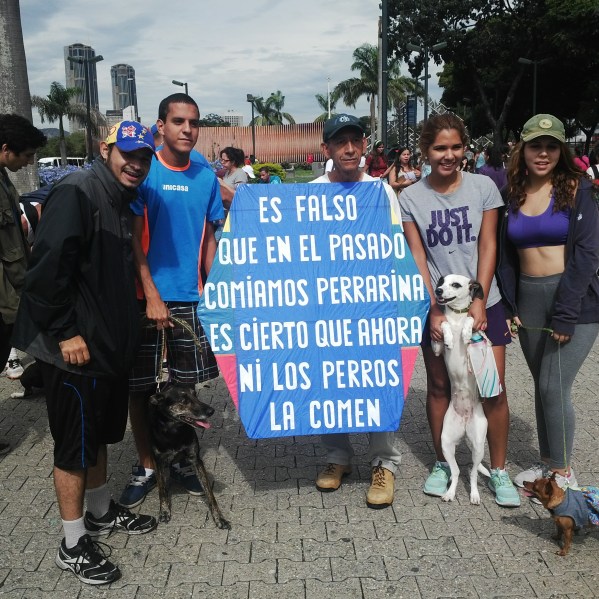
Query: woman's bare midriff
point(542, 261)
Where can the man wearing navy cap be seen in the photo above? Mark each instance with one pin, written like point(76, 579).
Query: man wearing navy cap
point(78, 317)
point(344, 143)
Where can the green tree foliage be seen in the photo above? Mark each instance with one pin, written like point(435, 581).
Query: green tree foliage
point(75, 146)
point(323, 101)
point(366, 62)
point(485, 39)
point(270, 111)
point(58, 105)
point(213, 120)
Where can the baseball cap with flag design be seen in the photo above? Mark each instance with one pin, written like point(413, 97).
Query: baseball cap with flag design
point(129, 136)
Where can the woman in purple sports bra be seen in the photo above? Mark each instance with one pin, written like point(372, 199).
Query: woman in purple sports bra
point(547, 273)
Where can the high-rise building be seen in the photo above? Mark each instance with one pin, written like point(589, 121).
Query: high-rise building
point(234, 118)
point(113, 117)
point(124, 92)
point(75, 77)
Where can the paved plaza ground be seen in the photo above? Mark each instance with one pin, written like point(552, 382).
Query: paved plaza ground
point(288, 540)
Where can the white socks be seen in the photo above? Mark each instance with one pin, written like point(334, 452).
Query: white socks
point(98, 500)
point(73, 531)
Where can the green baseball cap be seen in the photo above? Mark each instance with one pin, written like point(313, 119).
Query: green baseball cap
point(543, 124)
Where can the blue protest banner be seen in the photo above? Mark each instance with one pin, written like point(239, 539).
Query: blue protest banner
point(314, 309)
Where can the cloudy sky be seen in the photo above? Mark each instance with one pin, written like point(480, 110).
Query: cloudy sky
point(222, 50)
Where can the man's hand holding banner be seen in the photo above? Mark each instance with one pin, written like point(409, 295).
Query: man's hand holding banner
point(314, 309)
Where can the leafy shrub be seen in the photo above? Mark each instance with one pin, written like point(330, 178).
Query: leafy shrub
point(275, 169)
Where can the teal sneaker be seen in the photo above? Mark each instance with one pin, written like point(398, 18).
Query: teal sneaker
point(438, 480)
point(506, 495)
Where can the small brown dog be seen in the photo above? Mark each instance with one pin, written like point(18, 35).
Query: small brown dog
point(570, 509)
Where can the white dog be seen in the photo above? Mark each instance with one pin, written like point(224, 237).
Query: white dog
point(465, 414)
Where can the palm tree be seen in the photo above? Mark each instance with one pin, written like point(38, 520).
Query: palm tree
point(323, 102)
point(14, 83)
point(366, 61)
point(57, 105)
point(270, 111)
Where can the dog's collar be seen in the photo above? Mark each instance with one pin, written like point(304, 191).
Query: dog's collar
point(462, 311)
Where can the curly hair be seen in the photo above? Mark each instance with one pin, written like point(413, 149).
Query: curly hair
point(564, 178)
point(19, 134)
point(235, 155)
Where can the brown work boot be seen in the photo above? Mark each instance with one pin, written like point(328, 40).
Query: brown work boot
point(382, 487)
point(330, 478)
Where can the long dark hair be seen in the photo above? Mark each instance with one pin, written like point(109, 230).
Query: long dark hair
point(495, 157)
point(565, 178)
point(375, 147)
point(397, 160)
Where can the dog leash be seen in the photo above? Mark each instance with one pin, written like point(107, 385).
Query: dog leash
point(160, 376)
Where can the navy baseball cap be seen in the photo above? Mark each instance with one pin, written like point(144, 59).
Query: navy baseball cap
point(338, 122)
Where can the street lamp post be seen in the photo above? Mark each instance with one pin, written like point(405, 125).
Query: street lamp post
point(424, 50)
point(132, 100)
point(182, 84)
point(88, 129)
point(251, 99)
point(535, 64)
point(384, 83)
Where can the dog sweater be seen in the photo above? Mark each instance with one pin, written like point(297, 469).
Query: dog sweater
point(582, 506)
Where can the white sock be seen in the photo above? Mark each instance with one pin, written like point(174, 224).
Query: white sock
point(98, 500)
point(13, 354)
point(73, 531)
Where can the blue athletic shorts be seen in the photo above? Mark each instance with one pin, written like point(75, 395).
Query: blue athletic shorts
point(84, 412)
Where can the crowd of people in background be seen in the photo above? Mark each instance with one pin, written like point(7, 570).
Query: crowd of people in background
point(531, 241)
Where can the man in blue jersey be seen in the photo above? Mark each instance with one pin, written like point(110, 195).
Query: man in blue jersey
point(182, 200)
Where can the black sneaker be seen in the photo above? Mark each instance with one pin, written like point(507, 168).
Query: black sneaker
point(87, 561)
point(119, 518)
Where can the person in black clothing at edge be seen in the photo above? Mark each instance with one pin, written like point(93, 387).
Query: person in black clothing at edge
point(19, 140)
point(78, 317)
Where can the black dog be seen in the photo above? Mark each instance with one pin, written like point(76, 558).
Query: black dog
point(173, 415)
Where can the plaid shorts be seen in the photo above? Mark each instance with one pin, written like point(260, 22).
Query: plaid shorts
point(187, 364)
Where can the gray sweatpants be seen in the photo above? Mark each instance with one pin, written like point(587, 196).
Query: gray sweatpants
point(553, 366)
